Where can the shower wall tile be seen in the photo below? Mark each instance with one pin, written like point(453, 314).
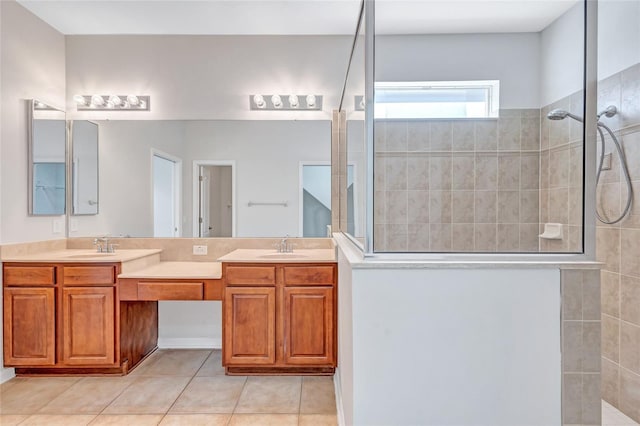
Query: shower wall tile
point(576, 166)
point(529, 237)
point(396, 137)
point(486, 237)
point(463, 136)
point(462, 206)
point(509, 207)
point(396, 204)
point(463, 172)
point(629, 297)
point(575, 206)
point(610, 381)
point(559, 168)
point(487, 135)
point(417, 207)
point(380, 173)
point(576, 128)
point(509, 171)
point(609, 93)
point(608, 248)
point(558, 202)
point(630, 346)
point(462, 237)
point(419, 136)
point(418, 172)
point(439, 207)
point(418, 240)
point(441, 135)
point(530, 132)
point(508, 237)
point(631, 146)
point(610, 338)
point(529, 207)
point(396, 173)
point(630, 250)
point(486, 206)
point(509, 133)
point(629, 392)
point(610, 293)
point(440, 172)
point(529, 170)
point(440, 237)
point(486, 171)
point(397, 237)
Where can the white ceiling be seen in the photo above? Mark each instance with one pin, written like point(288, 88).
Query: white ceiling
point(253, 17)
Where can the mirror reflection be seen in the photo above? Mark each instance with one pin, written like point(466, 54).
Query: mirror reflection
point(84, 168)
point(47, 149)
point(209, 178)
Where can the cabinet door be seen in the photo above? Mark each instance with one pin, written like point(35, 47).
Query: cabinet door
point(308, 325)
point(249, 325)
point(88, 336)
point(29, 326)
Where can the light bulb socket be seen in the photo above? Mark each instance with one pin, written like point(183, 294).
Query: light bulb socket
point(259, 102)
point(112, 102)
point(133, 100)
point(311, 101)
point(97, 101)
point(80, 100)
point(285, 102)
point(294, 102)
point(276, 100)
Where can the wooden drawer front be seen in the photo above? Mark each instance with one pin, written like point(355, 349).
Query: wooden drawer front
point(170, 291)
point(308, 275)
point(89, 275)
point(29, 275)
point(251, 275)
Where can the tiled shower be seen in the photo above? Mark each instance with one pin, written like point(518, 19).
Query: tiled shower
point(490, 185)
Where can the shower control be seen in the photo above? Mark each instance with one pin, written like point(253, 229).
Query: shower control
point(606, 161)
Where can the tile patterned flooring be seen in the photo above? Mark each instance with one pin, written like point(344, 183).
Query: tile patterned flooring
point(172, 387)
point(613, 417)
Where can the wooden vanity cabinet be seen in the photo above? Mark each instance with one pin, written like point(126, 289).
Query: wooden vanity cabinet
point(60, 316)
point(279, 318)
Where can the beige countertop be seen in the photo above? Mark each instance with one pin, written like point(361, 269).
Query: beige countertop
point(272, 256)
point(178, 270)
point(82, 256)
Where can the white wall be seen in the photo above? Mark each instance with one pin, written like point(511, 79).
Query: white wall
point(449, 346)
point(33, 66)
point(514, 59)
point(618, 36)
point(206, 77)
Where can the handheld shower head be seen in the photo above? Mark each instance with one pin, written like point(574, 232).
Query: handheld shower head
point(608, 112)
point(560, 114)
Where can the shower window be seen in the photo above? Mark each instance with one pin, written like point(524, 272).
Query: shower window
point(437, 99)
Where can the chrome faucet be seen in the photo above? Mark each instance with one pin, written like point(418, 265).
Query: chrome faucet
point(285, 246)
point(103, 246)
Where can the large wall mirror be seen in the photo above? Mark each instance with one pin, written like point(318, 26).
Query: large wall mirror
point(200, 178)
point(47, 154)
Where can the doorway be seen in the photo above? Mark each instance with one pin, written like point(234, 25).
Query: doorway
point(166, 172)
point(214, 207)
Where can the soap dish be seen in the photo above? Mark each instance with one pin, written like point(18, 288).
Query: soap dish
point(552, 231)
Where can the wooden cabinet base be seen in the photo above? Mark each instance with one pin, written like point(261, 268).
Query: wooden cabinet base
point(280, 371)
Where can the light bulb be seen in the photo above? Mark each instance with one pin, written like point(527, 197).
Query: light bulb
point(115, 100)
point(80, 100)
point(133, 100)
point(143, 104)
point(97, 100)
point(110, 104)
point(259, 101)
point(311, 101)
point(293, 101)
point(276, 101)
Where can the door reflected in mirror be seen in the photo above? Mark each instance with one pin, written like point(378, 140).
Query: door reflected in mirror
point(47, 165)
point(84, 167)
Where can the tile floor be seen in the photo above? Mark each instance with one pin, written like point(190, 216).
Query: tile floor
point(612, 417)
point(172, 387)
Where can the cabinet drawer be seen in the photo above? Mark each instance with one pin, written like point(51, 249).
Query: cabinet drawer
point(170, 291)
point(251, 275)
point(89, 275)
point(309, 275)
point(29, 275)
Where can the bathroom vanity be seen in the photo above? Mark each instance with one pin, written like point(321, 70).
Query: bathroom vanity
point(81, 312)
point(279, 312)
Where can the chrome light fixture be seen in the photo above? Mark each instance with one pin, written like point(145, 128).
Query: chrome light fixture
point(112, 102)
point(285, 102)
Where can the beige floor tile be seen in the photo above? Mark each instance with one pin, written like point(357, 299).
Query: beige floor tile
point(318, 420)
point(58, 420)
point(213, 365)
point(148, 395)
point(176, 363)
point(195, 420)
point(88, 396)
point(270, 395)
point(264, 420)
point(28, 395)
point(210, 395)
point(12, 419)
point(127, 420)
point(144, 365)
point(317, 396)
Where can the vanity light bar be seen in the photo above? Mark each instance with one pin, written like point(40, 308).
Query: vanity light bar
point(285, 102)
point(112, 102)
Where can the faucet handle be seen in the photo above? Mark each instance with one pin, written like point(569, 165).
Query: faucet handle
point(111, 248)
